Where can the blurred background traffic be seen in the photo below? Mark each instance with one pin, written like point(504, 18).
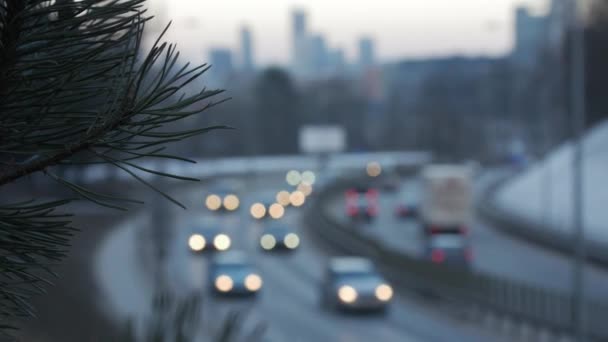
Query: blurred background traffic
point(399, 171)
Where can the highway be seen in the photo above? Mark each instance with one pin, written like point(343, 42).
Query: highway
point(494, 252)
point(289, 302)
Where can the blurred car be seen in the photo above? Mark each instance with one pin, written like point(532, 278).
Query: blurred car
point(407, 210)
point(353, 283)
point(449, 249)
point(277, 238)
point(209, 239)
point(223, 197)
point(232, 274)
point(362, 203)
point(267, 208)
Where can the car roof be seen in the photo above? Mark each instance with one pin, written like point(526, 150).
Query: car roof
point(231, 257)
point(350, 264)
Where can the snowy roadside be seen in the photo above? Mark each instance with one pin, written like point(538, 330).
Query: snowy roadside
point(537, 204)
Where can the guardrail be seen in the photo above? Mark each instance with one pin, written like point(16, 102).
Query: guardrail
point(521, 302)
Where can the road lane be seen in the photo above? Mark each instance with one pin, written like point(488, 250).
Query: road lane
point(289, 301)
point(494, 252)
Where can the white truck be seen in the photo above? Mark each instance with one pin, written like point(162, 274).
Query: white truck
point(446, 204)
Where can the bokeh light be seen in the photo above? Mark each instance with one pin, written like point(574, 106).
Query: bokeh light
point(305, 188)
point(373, 169)
point(231, 202)
point(222, 242)
point(268, 242)
point(258, 210)
point(224, 283)
point(308, 177)
point(293, 178)
point(292, 241)
point(213, 202)
point(283, 198)
point(297, 198)
point(276, 211)
point(197, 242)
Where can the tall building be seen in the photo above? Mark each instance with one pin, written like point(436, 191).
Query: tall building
point(300, 41)
point(366, 52)
point(530, 34)
point(337, 62)
point(221, 66)
point(246, 50)
point(318, 56)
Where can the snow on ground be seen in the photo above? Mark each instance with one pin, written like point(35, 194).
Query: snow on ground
point(543, 194)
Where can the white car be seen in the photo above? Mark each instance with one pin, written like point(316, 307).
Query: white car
point(353, 283)
point(232, 274)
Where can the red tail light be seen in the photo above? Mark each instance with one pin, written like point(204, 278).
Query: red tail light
point(372, 194)
point(352, 211)
point(437, 256)
point(372, 211)
point(434, 230)
point(350, 193)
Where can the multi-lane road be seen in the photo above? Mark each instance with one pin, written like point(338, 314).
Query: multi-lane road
point(494, 251)
point(289, 302)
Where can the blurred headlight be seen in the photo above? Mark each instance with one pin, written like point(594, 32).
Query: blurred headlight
point(253, 282)
point(268, 241)
point(276, 211)
point(197, 242)
point(297, 198)
point(213, 202)
point(283, 198)
point(224, 283)
point(222, 242)
point(292, 241)
point(293, 178)
point(384, 292)
point(231, 202)
point(373, 169)
point(308, 177)
point(347, 294)
point(304, 188)
point(258, 210)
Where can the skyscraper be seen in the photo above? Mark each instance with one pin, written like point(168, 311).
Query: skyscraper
point(366, 52)
point(246, 50)
point(300, 41)
point(318, 56)
point(221, 66)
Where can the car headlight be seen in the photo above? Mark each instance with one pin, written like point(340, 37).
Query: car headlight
point(224, 283)
point(276, 211)
point(268, 242)
point(231, 202)
point(291, 241)
point(213, 202)
point(258, 210)
point(197, 242)
point(384, 292)
point(222, 242)
point(253, 282)
point(347, 294)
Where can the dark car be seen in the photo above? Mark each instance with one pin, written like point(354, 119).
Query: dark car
point(407, 210)
point(362, 203)
point(449, 249)
point(277, 238)
point(354, 284)
point(232, 274)
point(208, 239)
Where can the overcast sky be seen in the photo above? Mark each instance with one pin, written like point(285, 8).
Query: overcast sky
point(401, 28)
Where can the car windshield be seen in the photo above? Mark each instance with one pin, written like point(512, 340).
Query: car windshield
point(447, 241)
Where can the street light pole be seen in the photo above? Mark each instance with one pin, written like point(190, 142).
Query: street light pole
point(578, 123)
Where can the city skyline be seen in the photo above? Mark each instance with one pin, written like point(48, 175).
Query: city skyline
point(405, 29)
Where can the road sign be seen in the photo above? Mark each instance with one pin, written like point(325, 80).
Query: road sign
point(322, 139)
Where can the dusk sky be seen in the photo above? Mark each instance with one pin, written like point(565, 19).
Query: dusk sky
point(401, 28)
